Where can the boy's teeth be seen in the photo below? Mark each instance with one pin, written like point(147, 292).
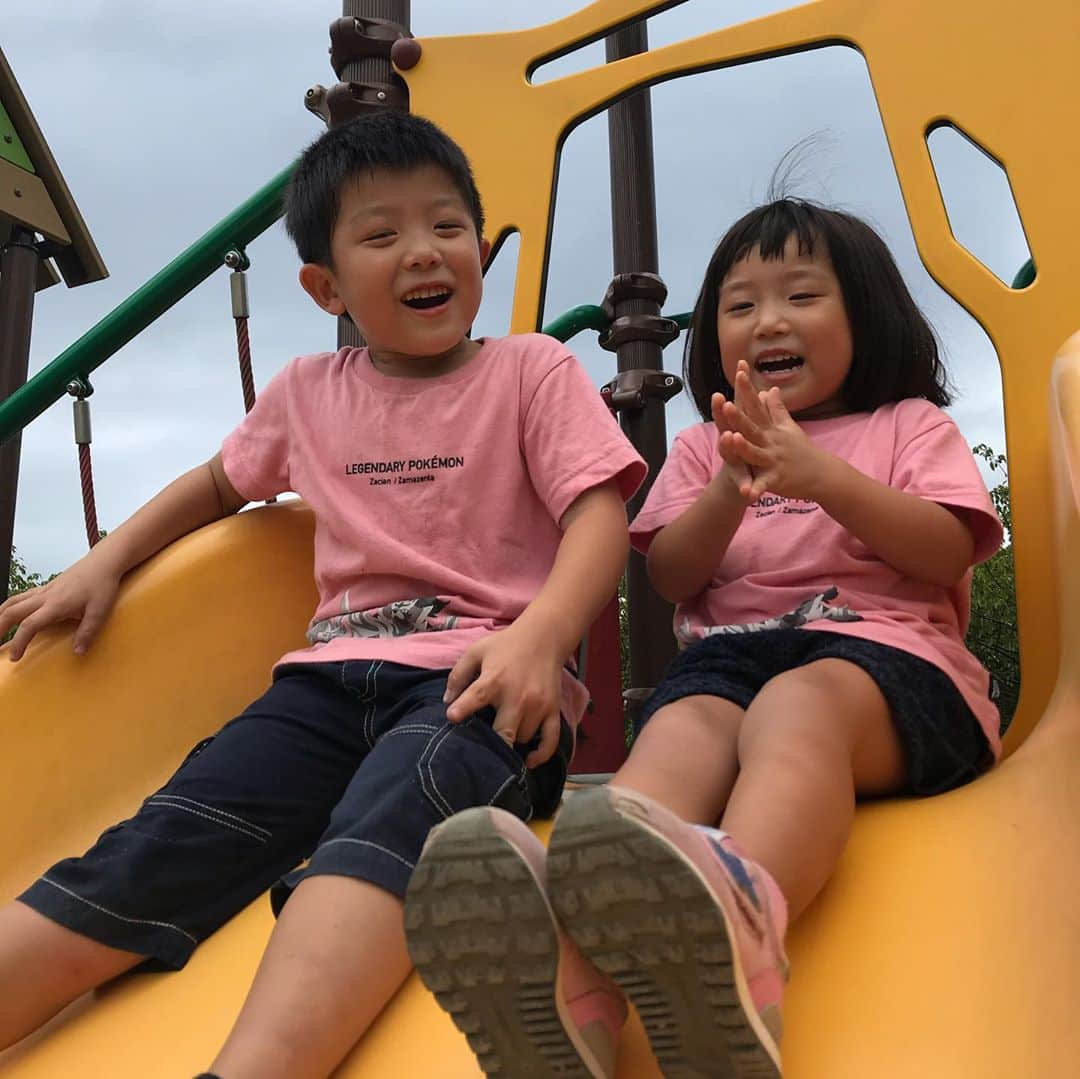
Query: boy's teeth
point(425, 293)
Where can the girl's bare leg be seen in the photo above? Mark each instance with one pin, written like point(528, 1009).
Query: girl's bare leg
point(812, 740)
point(686, 757)
point(44, 967)
point(336, 957)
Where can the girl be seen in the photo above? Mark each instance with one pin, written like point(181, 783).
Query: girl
point(817, 534)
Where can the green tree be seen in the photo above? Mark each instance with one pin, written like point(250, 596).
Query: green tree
point(20, 578)
point(992, 634)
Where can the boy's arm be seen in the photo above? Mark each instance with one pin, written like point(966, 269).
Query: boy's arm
point(86, 591)
point(519, 670)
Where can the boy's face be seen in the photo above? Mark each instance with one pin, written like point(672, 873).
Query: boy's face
point(407, 268)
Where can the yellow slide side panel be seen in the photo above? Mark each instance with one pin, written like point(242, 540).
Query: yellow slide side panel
point(947, 944)
point(190, 643)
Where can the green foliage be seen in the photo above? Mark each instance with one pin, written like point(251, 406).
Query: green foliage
point(992, 634)
point(20, 579)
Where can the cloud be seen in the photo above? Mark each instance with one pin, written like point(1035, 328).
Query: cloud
point(164, 117)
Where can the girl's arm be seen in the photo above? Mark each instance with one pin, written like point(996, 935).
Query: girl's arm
point(922, 539)
point(85, 592)
point(683, 555)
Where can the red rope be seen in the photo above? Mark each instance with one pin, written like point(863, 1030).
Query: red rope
point(86, 474)
point(243, 348)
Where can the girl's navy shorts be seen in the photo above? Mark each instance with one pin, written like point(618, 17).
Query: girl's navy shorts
point(943, 744)
point(344, 765)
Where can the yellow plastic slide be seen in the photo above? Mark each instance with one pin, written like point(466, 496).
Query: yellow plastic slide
point(947, 945)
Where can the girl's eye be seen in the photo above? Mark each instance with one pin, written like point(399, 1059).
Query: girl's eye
point(805, 296)
point(743, 305)
point(382, 234)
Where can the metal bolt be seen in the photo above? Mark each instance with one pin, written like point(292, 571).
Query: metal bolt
point(381, 95)
point(18, 193)
point(669, 381)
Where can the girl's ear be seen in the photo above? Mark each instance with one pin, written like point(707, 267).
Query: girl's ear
point(318, 282)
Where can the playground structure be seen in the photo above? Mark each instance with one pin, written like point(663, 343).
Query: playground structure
point(948, 943)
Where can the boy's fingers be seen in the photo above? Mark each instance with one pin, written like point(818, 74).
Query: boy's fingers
point(471, 699)
point(23, 636)
point(465, 671)
point(506, 723)
point(549, 741)
point(88, 628)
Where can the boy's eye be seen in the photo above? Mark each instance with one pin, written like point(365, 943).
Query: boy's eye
point(380, 234)
point(455, 226)
point(804, 296)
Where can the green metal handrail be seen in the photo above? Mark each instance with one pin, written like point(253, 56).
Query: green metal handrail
point(162, 291)
point(171, 284)
point(590, 317)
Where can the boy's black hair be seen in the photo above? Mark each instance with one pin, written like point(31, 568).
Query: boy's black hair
point(383, 141)
point(894, 353)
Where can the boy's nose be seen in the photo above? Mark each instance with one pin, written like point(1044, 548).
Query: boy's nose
point(422, 257)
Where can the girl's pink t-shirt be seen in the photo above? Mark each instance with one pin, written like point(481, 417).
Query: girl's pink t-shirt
point(437, 501)
point(788, 553)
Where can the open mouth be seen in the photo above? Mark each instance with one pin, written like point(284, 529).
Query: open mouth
point(423, 299)
point(778, 365)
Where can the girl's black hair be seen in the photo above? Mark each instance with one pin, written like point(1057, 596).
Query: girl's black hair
point(894, 352)
point(392, 141)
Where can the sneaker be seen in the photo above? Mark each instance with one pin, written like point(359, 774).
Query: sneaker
point(688, 929)
point(484, 939)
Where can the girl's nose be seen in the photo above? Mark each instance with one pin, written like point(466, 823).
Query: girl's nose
point(771, 319)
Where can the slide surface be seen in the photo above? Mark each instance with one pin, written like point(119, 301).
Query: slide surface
point(947, 944)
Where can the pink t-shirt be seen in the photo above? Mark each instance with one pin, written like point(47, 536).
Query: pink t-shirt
point(788, 554)
point(437, 501)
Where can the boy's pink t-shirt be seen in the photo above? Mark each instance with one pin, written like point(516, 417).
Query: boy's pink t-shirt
point(787, 552)
point(437, 501)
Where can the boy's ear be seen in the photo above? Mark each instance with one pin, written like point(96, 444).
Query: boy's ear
point(318, 282)
point(485, 252)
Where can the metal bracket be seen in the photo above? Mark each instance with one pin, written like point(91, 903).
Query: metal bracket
point(355, 38)
point(632, 389)
point(654, 328)
point(633, 286)
point(347, 100)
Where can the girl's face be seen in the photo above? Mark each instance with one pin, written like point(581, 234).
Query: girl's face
point(786, 318)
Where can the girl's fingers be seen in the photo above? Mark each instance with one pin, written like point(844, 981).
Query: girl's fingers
point(749, 452)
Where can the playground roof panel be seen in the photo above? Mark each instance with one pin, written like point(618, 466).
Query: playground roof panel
point(33, 192)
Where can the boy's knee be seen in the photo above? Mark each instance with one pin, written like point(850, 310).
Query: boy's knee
point(467, 764)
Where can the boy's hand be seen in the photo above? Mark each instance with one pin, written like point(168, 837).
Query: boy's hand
point(82, 594)
point(516, 672)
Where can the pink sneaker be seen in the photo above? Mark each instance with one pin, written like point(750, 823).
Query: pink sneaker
point(691, 931)
point(484, 940)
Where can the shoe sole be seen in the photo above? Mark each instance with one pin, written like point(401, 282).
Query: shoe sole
point(638, 909)
point(482, 936)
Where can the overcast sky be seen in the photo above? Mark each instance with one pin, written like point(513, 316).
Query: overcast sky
point(164, 117)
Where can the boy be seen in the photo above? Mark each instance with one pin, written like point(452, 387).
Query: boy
point(468, 498)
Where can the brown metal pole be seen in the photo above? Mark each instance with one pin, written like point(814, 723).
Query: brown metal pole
point(369, 69)
point(633, 220)
point(18, 281)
